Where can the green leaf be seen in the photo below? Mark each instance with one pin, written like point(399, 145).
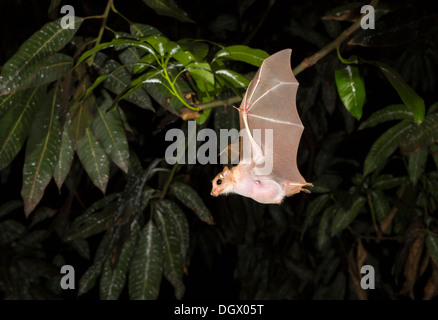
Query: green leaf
point(173, 260)
point(42, 151)
point(43, 43)
point(179, 221)
point(118, 44)
point(113, 279)
point(389, 113)
point(432, 245)
point(190, 198)
point(50, 69)
point(162, 95)
point(183, 57)
point(351, 89)
point(89, 224)
point(198, 49)
point(343, 217)
point(120, 80)
point(385, 182)
point(144, 63)
point(385, 145)
point(421, 136)
point(15, 125)
point(139, 30)
point(88, 280)
point(234, 79)
point(379, 204)
point(416, 165)
point(65, 156)
point(10, 206)
point(94, 160)
point(243, 53)
point(110, 133)
point(323, 237)
point(42, 213)
point(82, 117)
point(203, 117)
point(10, 230)
point(202, 74)
point(147, 265)
point(168, 8)
point(406, 93)
point(313, 209)
point(159, 43)
point(9, 101)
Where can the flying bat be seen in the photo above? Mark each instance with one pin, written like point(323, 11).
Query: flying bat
point(269, 172)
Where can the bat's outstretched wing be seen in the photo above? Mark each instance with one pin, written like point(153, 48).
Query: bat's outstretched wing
point(270, 103)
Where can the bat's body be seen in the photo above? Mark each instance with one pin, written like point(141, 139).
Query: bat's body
point(269, 103)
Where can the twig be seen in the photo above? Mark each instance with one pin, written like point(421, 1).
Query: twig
point(310, 61)
point(102, 29)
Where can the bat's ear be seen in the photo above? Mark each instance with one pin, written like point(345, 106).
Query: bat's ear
point(226, 171)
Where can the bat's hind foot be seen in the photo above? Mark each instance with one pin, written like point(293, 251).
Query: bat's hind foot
point(296, 187)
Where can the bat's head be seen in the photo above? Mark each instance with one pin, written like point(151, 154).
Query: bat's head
point(222, 183)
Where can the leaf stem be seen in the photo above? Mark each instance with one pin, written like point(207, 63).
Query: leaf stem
point(166, 187)
point(102, 29)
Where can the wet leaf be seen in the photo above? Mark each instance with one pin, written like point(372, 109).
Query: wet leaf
point(88, 224)
point(42, 151)
point(190, 198)
point(385, 145)
point(242, 53)
point(113, 278)
point(147, 265)
point(323, 236)
point(179, 221)
point(234, 79)
point(168, 8)
point(88, 280)
point(380, 204)
point(119, 80)
point(416, 165)
point(421, 136)
point(50, 69)
point(82, 117)
point(110, 133)
point(9, 101)
point(15, 125)
point(143, 30)
point(385, 182)
point(65, 156)
point(389, 113)
point(173, 259)
point(406, 93)
point(344, 217)
point(94, 160)
point(313, 209)
point(46, 41)
point(351, 89)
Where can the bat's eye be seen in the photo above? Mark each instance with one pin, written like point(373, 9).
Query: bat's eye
point(219, 181)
